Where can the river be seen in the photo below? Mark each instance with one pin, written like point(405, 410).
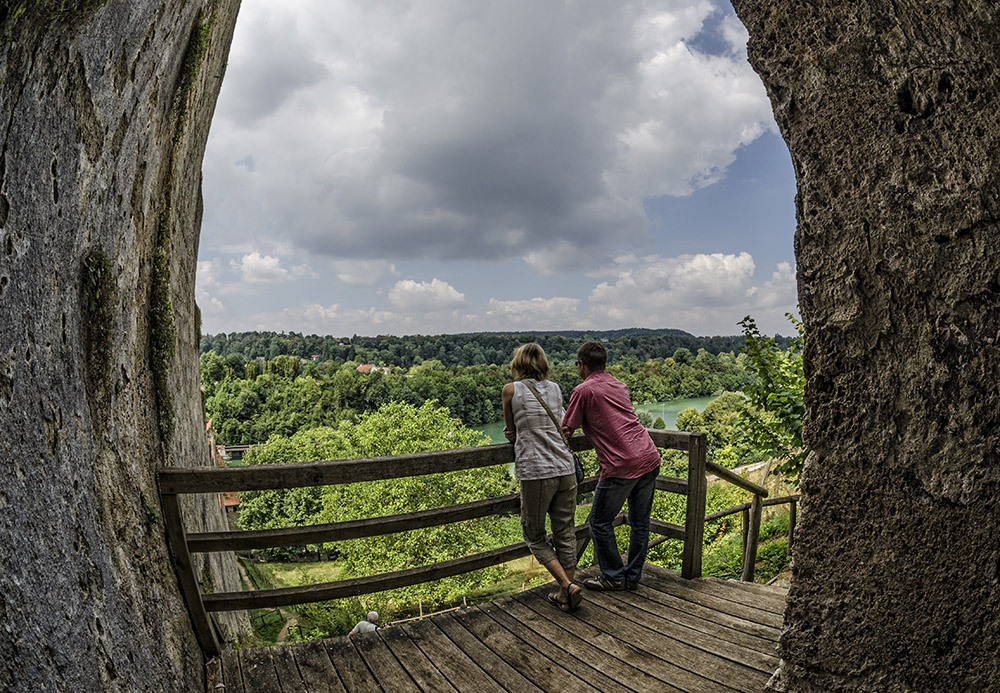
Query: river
point(667, 410)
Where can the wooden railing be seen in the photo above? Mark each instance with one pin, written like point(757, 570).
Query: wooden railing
point(751, 525)
point(176, 481)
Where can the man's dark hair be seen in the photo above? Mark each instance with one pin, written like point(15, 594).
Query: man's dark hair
point(593, 355)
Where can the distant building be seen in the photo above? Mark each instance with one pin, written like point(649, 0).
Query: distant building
point(367, 368)
point(234, 452)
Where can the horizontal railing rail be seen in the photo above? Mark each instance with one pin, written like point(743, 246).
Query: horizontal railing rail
point(736, 479)
point(740, 507)
point(751, 516)
point(174, 482)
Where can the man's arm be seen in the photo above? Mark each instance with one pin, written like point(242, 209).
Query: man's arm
point(573, 418)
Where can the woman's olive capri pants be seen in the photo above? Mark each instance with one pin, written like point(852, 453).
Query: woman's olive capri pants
point(555, 497)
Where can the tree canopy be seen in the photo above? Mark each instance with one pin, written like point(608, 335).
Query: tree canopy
point(394, 429)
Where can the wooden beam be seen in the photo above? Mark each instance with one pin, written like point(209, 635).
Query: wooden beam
point(190, 589)
point(753, 534)
point(694, 522)
point(728, 511)
point(736, 479)
point(672, 440)
point(791, 500)
point(667, 529)
point(672, 484)
point(296, 475)
point(354, 529)
point(792, 513)
point(258, 599)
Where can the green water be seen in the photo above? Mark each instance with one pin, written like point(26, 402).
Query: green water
point(493, 430)
point(667, 410)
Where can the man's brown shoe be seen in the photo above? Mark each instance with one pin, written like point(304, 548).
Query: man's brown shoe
point(602, 584)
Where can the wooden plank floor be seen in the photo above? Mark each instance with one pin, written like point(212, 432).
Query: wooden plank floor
point(670, 635)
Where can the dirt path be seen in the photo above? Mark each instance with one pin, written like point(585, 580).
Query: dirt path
point(289, 617)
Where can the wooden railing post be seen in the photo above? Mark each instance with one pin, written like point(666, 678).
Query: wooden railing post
point(745, 532)
point(190, 589)
point(753, 534)
point(793, 511)
point(694, 522)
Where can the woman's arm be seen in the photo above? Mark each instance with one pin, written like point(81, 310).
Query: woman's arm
point(507, 397)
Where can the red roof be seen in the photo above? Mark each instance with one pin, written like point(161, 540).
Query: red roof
point(366, 368)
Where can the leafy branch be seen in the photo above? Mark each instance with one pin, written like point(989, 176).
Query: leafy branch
point(777, 393)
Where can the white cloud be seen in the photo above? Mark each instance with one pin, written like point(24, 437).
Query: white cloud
point(776, 291)
point(409, 296)
point(706, 293)
point(508, 147)
point(255, 268)
point(459, 130)
point(532, 314)
point(363, 273)
point(207, 285)
point(735, 34)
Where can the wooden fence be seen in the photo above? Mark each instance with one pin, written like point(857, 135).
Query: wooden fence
point(176, 481)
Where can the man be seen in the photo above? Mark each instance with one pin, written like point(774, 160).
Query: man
point(629, 463)
point(366, 626)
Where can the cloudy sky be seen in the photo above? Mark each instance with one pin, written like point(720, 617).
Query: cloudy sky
point(441, 166)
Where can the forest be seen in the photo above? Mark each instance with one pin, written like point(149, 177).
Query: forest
point(249, 401)
point(474, 349)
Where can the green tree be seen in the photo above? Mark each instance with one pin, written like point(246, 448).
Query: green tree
point(213, 370)
point(395, 428)
point(777, 394)
point(690, 420)
point(645, 418)
point(659, 423)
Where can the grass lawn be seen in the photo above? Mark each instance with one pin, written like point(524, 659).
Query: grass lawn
point(294, 574)
point(524, 573)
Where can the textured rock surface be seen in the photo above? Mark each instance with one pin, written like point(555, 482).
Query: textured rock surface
point(889, 109)
point(104, 119)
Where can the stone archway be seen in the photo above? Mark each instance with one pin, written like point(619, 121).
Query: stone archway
point(889, 111)
point(105, 109)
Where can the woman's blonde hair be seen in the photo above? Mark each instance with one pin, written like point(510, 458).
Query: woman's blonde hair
point(529, 362)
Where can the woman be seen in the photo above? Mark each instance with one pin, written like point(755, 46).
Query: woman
point(544, 466)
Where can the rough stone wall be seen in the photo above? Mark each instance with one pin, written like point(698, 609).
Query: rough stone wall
point(104, 115)
point(890, 112)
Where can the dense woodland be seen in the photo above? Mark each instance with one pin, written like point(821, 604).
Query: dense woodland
point(251, 400)
point(490, 348)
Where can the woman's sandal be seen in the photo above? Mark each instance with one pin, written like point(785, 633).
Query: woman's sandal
point(554, 598)
point(575, 597)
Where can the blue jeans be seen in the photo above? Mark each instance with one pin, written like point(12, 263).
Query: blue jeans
point(609, 497)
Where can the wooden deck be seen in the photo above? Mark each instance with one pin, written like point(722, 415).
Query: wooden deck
point(670, 635)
